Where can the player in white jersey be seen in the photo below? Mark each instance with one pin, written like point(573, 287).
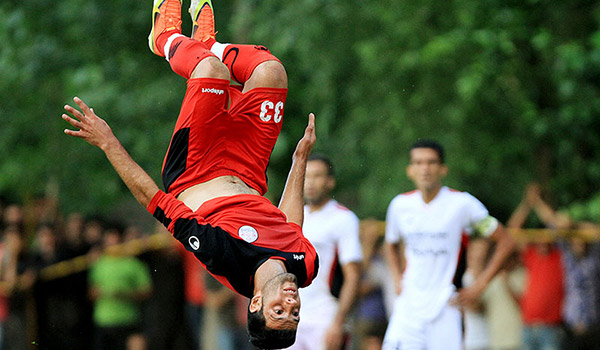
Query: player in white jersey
point(333, 230)
point(432, 225)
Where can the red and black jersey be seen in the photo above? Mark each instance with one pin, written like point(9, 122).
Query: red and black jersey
point(232, 236)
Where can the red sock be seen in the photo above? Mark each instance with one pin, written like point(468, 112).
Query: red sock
point(185, 54)
point(242, 59)
point(162, 38)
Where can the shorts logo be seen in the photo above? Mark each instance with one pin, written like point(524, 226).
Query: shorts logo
point(298, 256)
point(213, 91)
point(248, 233)
point(194, 242)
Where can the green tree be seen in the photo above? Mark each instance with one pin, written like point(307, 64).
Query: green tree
point(509, 87)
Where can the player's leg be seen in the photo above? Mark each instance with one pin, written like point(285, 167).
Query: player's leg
point(445, 332)
point(404, 332)
point(205, 103)
point(250, 65)
point(187, 57)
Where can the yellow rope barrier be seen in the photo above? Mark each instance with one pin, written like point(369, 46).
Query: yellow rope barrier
point(163, 240)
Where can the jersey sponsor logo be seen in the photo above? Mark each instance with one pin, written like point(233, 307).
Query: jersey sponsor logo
point(248, 233)
point(212, 91)
point(194, 242)
point(298, 256)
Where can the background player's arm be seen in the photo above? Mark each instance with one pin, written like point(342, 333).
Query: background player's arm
point(394, 257)
point(519, 216)
point(96, 132)
point(348, 293)
point(292, 201)
point(505, 245)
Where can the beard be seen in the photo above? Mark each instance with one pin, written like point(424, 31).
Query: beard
point(316, 200)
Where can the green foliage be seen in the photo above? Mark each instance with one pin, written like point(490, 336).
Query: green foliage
point(509, 87)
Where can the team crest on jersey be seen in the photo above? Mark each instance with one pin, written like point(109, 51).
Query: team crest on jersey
point(409, 221)
point(194, 242)
point(248, 233)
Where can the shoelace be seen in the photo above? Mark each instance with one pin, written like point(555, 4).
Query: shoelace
point(172, 7)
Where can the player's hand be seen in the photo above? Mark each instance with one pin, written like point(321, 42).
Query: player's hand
point(532, 194)
point(398, 285)
point(306, 143)
point(334, 336)
point(467, 297)
point(92, 128)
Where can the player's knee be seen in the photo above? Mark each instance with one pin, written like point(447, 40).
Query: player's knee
point(211, 67)
point(270, 74)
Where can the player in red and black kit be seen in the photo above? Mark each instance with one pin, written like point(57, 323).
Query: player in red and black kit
point(214, 170)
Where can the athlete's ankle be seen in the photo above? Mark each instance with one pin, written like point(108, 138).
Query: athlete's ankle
point(162, 39)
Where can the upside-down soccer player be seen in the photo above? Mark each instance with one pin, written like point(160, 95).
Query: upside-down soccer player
point(214, 170)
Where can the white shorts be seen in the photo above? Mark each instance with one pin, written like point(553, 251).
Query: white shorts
point(407, 332)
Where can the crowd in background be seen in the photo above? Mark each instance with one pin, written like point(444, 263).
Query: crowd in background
point(548, 293)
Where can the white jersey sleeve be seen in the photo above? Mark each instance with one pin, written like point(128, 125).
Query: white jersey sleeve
point(480, 221)
point(392, 228)
point(348, 241)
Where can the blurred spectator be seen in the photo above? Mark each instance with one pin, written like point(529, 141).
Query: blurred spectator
point(73, 235)
point(92, 234)
point(195, 295)
point(371, 312)
point(5, 290)
point(132, 232)
point(13, 216)
point(18, 278)
point(477, 335)
point(221, 310)
point(501, 302)
point(581, 261)
point(542, 299)
point(164, 310)
point(55, 312)
point(79, 307)
point(45, 208)
point(118, 285)
point(582, 305)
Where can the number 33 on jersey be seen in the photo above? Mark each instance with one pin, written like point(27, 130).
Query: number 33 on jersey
point(270, 110)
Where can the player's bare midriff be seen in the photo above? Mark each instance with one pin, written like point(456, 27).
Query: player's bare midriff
point(220, 186)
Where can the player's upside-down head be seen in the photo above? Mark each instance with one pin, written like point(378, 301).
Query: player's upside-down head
point(273, 313)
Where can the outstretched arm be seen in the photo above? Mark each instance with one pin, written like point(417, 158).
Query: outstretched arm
point(549, 216)
point(292, 199)
point(96, 132)
point(519, 216)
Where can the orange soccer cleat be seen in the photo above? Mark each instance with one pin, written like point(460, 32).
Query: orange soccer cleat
point(203, 20)
point(166, 16)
